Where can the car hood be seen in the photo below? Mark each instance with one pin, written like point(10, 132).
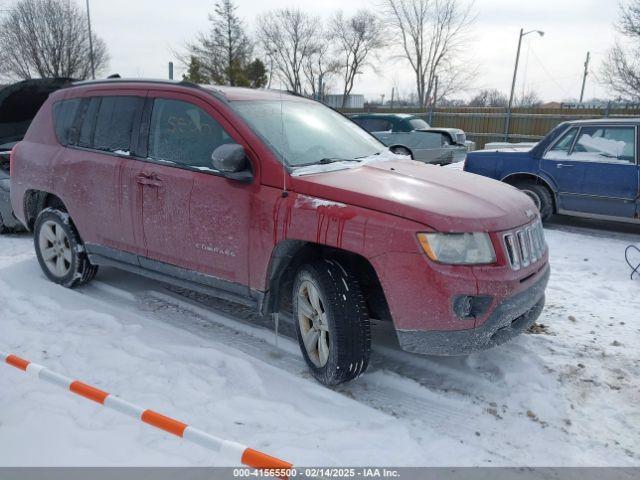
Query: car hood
point(510, 149)
point(444, 199)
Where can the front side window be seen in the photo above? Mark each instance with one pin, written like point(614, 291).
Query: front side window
point(606, 144)
point(562, 147)
point(114, 124)
point(64, 114)
point(306, 133)
point(184, 134)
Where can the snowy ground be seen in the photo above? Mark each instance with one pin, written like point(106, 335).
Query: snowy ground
point(568, 396)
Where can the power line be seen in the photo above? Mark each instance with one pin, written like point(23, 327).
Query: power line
point(564, 90)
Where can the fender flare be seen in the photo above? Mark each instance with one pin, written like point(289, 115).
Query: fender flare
point(540, 177)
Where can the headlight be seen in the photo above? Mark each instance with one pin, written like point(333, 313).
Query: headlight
point(458, 248)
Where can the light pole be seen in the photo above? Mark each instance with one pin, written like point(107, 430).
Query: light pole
point(515, 75)
point(91, 57)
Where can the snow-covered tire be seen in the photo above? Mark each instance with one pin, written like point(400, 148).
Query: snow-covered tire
point(540, 195)
point(338, 317)
point(400, 150)
point(60, 251)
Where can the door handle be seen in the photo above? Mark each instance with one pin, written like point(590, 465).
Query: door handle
point(151, 180)
point(563, 165)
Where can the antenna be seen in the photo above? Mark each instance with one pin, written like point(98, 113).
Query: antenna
point(285, 192)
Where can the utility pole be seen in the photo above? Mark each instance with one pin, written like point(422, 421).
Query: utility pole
point(270, 55)
point(584, 78)
point(320, 88)
point(170, 70)
point(393, 95)
point(433, 100)
point(91, 57)
point(513, 83)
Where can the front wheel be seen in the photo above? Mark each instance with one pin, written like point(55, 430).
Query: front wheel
point(331, 321)
point(541, 198)
point(60, 251)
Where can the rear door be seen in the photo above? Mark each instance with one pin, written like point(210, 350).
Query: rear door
point(596, 170)
point(89, 171)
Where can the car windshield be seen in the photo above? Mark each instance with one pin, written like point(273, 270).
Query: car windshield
point(306, 133)
point(418, 124)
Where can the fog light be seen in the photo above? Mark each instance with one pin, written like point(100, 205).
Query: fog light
point(466, 307)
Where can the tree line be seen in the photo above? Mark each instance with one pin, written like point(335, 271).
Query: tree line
point(310, 56)
point(300, 51)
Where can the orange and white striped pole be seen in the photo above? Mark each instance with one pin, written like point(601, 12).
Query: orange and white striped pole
point(226, 448)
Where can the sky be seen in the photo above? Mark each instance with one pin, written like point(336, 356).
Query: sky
point(144, 35)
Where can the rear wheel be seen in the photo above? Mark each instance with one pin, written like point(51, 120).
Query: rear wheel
point(541, 197)
point(331, 321)
point(60, 251)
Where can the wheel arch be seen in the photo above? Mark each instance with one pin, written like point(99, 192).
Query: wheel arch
point(289, 255)
point(515, 178)
point(37, 200)
point(397, 145)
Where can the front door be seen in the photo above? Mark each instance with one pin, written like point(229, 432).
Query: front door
point(596, 170)
point(193, 217)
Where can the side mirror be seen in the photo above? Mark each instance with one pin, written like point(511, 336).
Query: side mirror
point(231, 160)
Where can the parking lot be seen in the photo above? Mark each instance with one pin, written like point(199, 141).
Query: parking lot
point(564, 395)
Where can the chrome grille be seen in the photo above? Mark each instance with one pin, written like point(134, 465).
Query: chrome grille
point(525, 246)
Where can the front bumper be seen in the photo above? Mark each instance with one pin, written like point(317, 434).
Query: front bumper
point(510, 318)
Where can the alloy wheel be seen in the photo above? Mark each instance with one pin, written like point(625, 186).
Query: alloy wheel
point(55, 248)
point(314, 327)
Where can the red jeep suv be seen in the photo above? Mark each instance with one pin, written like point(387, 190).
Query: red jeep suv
point(279, 203)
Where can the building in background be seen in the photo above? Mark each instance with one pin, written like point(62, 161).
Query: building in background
point(353, 101)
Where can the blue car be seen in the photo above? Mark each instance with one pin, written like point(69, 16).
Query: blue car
point(586, 168)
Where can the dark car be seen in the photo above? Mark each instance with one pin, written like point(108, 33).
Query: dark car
point(586, 168)
point(309, 214)
point(19, 104)
point(410, 135)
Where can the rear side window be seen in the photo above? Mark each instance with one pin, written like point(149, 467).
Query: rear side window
point(114, 124)
point(88, 126)
point(64, 114)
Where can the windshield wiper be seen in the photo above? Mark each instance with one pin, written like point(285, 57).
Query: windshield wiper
point(367, 156)
point(327, 161)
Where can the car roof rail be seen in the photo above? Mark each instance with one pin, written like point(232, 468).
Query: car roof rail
point(114, 80)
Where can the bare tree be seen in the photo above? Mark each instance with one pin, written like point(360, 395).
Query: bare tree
point(356, 39)
point(225, 51)
point(433, 35)
point(621, 69)
point(290, 37)
point(489, 98)
point(528, 99)
point(319, 67)
point(48, 38)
